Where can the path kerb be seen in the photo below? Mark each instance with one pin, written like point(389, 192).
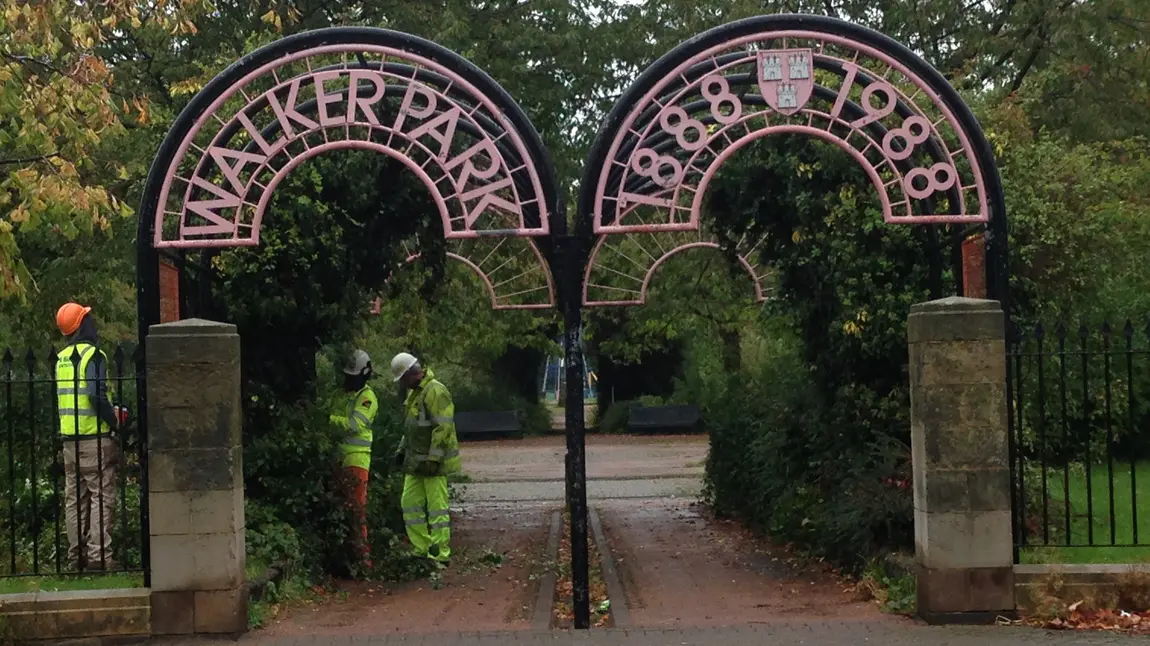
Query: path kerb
point(959, 446)
point(195, 478)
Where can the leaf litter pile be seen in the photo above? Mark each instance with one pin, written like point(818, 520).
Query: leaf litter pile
point(562, 614)
point(1078, 617)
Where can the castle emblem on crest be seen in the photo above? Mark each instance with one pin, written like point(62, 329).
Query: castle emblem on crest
point(786, 79)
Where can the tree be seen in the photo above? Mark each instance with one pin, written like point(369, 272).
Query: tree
point(58, 108)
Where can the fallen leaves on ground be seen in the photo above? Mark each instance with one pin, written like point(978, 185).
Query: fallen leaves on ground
point(563, 614)
point(1078, 618)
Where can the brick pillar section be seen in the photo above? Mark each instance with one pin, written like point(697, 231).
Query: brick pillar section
point(169, 292)
point(960, 457)
point(974, 266)
point(195, 478)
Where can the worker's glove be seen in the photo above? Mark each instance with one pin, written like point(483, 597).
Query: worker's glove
point(427, 469)
point(398, 459)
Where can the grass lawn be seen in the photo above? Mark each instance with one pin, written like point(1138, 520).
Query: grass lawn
point(1093, 512)
point(14, 585)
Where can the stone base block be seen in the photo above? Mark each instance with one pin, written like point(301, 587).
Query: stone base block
point(967, 590)
point(1044, 588)
point(198, 561)
point(173, 613)
point(963, 540)
point(222, 611)
point(76, 614)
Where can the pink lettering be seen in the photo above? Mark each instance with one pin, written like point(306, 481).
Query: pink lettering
point(286, 115)
point(627, 199)
point(254, 133)
point(845, 89)
point(408, 106)
point(488, 198)
point(469, 169)
point(232, 173)
point(355, 103)
point(206, 209)
point(448, 121)
point(322, 99)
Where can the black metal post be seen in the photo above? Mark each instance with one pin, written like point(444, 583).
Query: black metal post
point(10, 413)
point(1083, 335)
point(33, 457)
point(1061, 332)
point(148, 314)
point(576, 456)
point(1131, 411)
point(1039, 337)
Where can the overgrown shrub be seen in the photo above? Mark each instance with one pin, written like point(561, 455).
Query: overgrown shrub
point(780, 461)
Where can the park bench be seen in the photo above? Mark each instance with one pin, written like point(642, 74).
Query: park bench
point(654, 419)
point(488, 424)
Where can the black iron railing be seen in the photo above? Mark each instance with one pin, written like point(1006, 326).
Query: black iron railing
point(46, 471)
point(1079, 413)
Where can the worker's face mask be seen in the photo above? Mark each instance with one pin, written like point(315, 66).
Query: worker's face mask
point(351, 382)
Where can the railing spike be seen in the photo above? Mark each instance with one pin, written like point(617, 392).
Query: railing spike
point(1061, 331)
point(1039, 331)
point(1128, 331)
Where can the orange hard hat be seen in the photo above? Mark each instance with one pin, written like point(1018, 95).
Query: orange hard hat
point(69, 316)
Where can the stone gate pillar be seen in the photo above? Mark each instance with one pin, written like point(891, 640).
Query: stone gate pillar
point(195, 478)
point(962, 515)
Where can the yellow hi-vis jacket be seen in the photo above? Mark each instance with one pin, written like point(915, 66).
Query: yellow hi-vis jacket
point(79, 389)
point(355, 416)
point(429, 432)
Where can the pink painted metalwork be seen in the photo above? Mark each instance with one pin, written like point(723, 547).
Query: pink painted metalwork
point(672, 181)
point(514, 278)
point(761, 291)
point(474, 184)
point(871, 171)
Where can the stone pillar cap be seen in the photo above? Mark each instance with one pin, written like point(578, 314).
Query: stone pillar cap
point(956, 304)
point(187, 327)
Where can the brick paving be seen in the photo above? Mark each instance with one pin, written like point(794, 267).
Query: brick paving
point(843, 633)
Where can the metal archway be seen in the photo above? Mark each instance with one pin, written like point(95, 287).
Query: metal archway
point(340, 88)
point(363, 88)
point(658, 148)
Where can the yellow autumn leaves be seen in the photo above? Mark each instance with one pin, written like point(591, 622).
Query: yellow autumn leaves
point(855, 326)
point(58, 110)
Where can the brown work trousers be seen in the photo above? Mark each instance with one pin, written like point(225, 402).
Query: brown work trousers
point(90, 501)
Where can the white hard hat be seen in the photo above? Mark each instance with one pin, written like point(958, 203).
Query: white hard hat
point(357, 363)
point(401, 364)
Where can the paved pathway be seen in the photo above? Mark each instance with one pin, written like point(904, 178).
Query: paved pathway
point(689, 580)
point(609, 457)
point(788, 634)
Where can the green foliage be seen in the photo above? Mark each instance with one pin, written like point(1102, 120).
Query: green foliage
point(806, 440)
point(896, 591)
point(785, 461)
point(812, 384)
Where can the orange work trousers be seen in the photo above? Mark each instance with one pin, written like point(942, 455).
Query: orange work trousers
point(355, 493)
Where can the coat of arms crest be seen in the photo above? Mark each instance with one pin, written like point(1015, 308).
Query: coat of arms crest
point(786, 78)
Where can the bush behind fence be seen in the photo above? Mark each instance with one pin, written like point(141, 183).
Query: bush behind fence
point(1080, 433)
